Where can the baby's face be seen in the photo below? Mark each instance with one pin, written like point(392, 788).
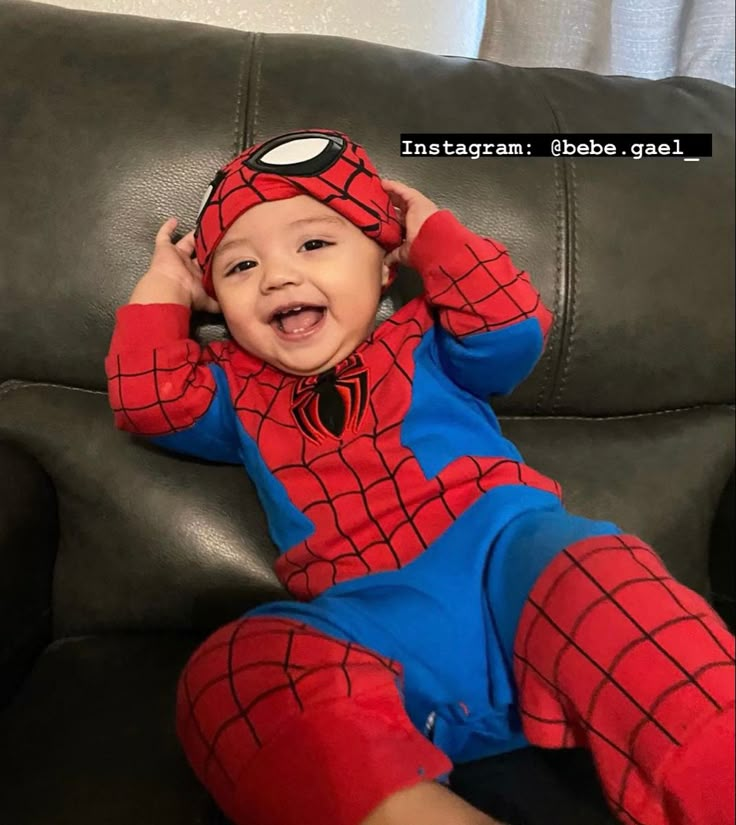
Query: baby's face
point(298, 284)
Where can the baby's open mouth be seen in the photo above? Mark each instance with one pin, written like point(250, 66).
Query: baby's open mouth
point(298, 318)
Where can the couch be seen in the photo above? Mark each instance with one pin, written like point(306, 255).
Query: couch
point(117, 559)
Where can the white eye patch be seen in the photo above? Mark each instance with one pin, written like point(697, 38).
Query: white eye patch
point(204, 200)
point(295, 151)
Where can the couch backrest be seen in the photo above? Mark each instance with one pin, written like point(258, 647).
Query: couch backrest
point(109, 124)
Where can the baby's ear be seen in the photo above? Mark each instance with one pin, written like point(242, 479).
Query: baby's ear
point(388, 275)
point(388, 272)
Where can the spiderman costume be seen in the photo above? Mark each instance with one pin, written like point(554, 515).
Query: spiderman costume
point(447, 607)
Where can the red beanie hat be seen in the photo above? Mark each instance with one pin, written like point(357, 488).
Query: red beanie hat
point(324, 164)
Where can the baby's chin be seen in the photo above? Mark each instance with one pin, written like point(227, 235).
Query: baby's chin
point(305, 367)
point(300, 365)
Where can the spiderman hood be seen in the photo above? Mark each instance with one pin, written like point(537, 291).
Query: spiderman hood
point(324, 164)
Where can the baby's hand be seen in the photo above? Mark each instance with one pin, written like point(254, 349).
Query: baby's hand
point(414, 208)
point(173, 275)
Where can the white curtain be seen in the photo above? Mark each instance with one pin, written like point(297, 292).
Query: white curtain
point(440, 26)
point(643, 38)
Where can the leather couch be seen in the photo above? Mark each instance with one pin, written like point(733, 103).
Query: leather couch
point(116, 559)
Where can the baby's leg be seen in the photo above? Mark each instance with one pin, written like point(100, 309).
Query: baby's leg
point(427, 803)
point(285, 725)
point(613, 654)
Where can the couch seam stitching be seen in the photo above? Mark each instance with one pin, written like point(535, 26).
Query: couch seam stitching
point(255, 86)
point(239, 101)
point(573, 258)
point(558, 322)
point(558, 326)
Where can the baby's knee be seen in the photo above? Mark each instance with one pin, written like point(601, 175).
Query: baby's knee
point(274, 717)
point(252, 675)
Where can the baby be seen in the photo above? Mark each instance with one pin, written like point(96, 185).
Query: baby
point(447, 607)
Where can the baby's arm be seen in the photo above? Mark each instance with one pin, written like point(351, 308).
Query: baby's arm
point(161, 383)
point(493, 323)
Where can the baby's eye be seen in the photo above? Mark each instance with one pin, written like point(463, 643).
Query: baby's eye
point(241, 266)
point(315, 244)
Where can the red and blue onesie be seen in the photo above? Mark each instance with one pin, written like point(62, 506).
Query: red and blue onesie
point(446, 605)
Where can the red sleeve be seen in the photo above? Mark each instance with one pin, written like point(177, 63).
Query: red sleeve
point(159, 380)
point(471, 280)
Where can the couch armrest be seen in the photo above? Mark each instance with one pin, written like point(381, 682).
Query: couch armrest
point(28, 541)
point(723, 555)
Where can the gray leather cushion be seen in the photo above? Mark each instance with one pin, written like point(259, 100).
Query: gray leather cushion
point(90, 738)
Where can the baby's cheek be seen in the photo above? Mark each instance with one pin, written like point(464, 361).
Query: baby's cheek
point(244, 330)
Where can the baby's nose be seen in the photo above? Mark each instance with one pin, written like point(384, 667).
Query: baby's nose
point(277, 276)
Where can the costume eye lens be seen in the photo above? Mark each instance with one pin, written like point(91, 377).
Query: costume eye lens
point(295, 151)
point(204, 200)
point(298, 153)
point(214, 183)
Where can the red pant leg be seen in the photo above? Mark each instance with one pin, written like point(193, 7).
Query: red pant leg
point(611, 653)
point(285, 725)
